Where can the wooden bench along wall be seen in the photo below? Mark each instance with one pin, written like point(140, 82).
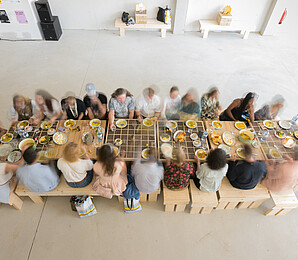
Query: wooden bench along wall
point(151, 197)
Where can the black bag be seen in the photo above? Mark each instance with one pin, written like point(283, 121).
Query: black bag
point(125, 17)
point(161, 14)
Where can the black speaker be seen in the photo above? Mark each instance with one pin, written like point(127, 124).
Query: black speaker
point(44, 11)
point(51, 30)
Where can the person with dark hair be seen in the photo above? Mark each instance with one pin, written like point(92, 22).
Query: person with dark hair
point(209, 175)
point(7, 172)
point(121, 105)
point(95, 102)
point(110, 171)
point(172, 105)
point(72, 107)
point(270, 111)
point(148, 174)
point(47, 106)
point(35, 176)
point(190, 108)
point(210, 104)
point(241, 109)
point(247, 173)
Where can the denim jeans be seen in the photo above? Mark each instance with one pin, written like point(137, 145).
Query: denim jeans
point(84, 183)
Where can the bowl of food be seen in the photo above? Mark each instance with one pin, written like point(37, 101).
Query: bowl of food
point(28, 128)
point(240, 125)
point(194, 136)
point(167, 150)
point(269, 124)
point(118, 142)
point(69, 123)
point(23, 124)
point(60, 138)
point(246, 136)
point(87, 138)
point(289, 142)
point(296, 134)
point(275, 154)
point(121, 123)
point(284, 124)
point(165, 138)
point(171, 124)
point(44, 139)
point(42, 156)
point(6, 138)
point(179, 136)
point(240, 153)
point(216, 138)
point(95, 122)
point(229, 138)
point(280, 134)
point(51, 131)
point(146, 153)
point(217, 124)
point(51, 153)
point(26, 143)
point(226, 148)
point(45, 125)
point(197, 143)
point(14, 156)
point(148, 122)
point(201, 153)
point(191, 124)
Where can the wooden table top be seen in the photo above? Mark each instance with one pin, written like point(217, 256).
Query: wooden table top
point(230, 127)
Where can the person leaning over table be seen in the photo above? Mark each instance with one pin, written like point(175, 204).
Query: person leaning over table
point(121, 105)
point(148, 105)
point(172, 105)
point(282, 176)
point(23, 108)
point(77, 172)
point(246, 174)
point(72, 107)
point(241, 109)
point(35, 176)
point(47, 107)
point(110, 171)
point(95, 102)
point(270, 111)
point(178, 172)
point(190, 107)
point(210, 105)
point(209, 175)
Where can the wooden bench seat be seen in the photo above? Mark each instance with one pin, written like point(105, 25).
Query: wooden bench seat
point(151, 197)
point(175, 200)
point(230, 197)
point(14, 200)
point(212, 25)
point(201, 202)
point(284, 202)
point(151, 24)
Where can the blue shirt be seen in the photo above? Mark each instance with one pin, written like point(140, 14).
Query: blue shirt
point(38, 178)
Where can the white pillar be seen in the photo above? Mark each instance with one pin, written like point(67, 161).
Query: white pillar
point(180, 16)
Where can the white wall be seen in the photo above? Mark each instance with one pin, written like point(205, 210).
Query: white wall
point(254, 11)
point(14, 30)
point(100, 14)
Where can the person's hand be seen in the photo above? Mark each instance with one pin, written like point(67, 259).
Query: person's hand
point(113, 127)
point(233, 157)
point(154, 118)
point(197, 159)
point(52, 120)
point(168, 161)
point(139, 118)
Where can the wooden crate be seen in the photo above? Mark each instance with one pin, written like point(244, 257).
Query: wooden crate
point(141, 16)
point(224, 19)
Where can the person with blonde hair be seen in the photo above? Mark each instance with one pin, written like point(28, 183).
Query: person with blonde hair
point(23, 108)
point(178, 172)
point(72, 107)
point(77, 172)
point(271, 111)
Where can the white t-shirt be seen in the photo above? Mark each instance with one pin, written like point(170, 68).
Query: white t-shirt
point(75, 171)
point(210, 180)
point(171, 106)
point(148, 108)
point(56, 108)
point(4, 177)
point(14, 114)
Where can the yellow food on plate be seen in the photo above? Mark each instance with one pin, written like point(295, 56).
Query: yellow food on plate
point(217, 124)
point(275, 153)
point(191, 123)
point(69, 123)
point(202, 154)
point(172, 124)
point(245, 136)
point(148, 122)
point(269, 124)
point(145, 153)
point(121, 123)
point(23, 124)
point(60, 138)
point(179, 136)
point(6, 138)
point(240, 125)
point(216, 139)
point(46, 125)
point(240, 153)
point(51, 153)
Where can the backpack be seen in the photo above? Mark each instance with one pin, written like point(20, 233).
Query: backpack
point(161, 14)
point(125, 17)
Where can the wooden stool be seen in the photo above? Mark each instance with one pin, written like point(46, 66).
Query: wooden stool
point(152, 197)
point(14, 199)
point(284, 202)
point(175, 200)
point(201, 202)
point(230, 197)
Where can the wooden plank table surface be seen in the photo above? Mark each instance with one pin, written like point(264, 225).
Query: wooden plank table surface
point(230, 127)
point(135, 138)
point(187, 144)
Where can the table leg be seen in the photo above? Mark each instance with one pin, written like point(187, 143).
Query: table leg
point(242, 31)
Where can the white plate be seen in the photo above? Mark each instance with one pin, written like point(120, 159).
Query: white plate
point(191, 121)
point(289, 142)
point(26, 122)
point(45, 125)
point(269, 121)
point(284, 124)
point(148, 120)
point(277, 136)
point(178, 133)
point(167, 150)
point(51, 153)
point(201, 150)
point(51, 131)
point(59, 138)
point(95, 122)
point(226, 148)
point(14, 156)
point(68, 121)
point(197, 143)
point(256, 144)
point(242, 123)
point(121, 123)
point(143, 153)
point(5, 149)
point(238, 153)
point(8, 135)
point(168, 138)
point(228, 135)
point(217, 122)
point(27, 141)
point(194, 136)
point(171, 124)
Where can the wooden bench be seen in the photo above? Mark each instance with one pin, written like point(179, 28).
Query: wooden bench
point(230, 197)
point(212, 25)
point(201, 202)
point(175, 200)
point(151, 197)
point(151, 24)
point(284, 202)
point(61, 190)
point(14, 200)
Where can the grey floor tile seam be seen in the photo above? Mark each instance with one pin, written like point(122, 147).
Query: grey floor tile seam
point(33, 240)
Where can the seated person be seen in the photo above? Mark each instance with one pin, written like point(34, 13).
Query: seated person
point(283, 176)
point(23, 108)
point(95, 102)
point(148, 174)
point(7, 171)
point(210, 174)
point(270, 112)
point(172, 105)
point(148, 105)
point(241, 109)
point(35, 176)
point(210, 104)
point(110, 172)
point(77, 172)
point(72, 107)
point(190, 107)
point(246, 174)
point(121, 105)
point(178, 172)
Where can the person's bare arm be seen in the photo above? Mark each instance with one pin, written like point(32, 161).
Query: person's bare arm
point(251, 113)
point(64, 115)
point(90, 113)
point(168, 162)
point(138, 114)
point(54, 118)
point(11, 168)
point(234, 104)
point(197, 161)
point(111, 119)
point(131, 114)
point(81, 116)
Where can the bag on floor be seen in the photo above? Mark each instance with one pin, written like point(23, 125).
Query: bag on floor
point(125, 17)
point(83, 205)
point(161, 14)
point(132, 206)
point(131, 192)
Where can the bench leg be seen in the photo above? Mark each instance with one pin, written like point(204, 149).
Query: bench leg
point(256, 204)
point(207, 210)
point(169, 207)
point(15, 201)
point(242, 31)
point(195, 210)
point(246, 34)
point(36, 199)
point(272, 211)
point(283, 212)
point(122, 32)
point(231, 205)
point(244, 205)
point(120, 199)
point(163, 33)
point(143, 197)
point(152, 197)
point(222, 205)
point(205, 34)
point(180, 208)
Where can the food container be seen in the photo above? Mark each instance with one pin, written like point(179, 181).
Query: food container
point(141, 16)
point(224, 19)
point(245, 136)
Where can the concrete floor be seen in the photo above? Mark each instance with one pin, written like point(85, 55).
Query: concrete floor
point(267, 65)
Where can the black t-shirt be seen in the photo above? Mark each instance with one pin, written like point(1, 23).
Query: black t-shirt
point(244, 175)
point(81, 108)
point(94, 107)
